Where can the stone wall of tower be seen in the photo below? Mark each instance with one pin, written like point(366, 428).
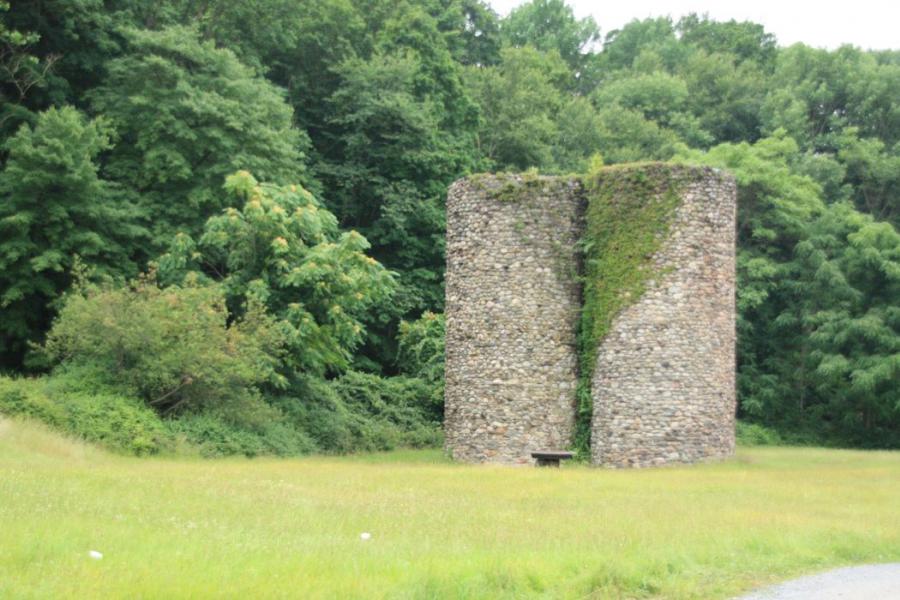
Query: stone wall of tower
point(513, 302)
point(663, 386)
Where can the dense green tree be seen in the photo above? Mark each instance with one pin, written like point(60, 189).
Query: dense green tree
point(846, 299)
point(186, 115)
point(394, 153)
point(810, 94)
point(520, 100)
point(874, 105)
point(20, 72)
point(72, 40)
point(412, 32)
point(281, 249)
point(550, 25)
point(623, 47)
point(295, 43)
point(471, 29)
point(55, 207)
point(873, 173)
point(745, 40)
point(627, 136)
point(658, 97)
point(580, 135)
point(399, 128)
point(723, 95)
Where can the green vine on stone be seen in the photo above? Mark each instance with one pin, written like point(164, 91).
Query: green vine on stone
point(630, 209)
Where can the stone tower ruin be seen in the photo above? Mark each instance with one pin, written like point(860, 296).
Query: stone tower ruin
point(662, 378)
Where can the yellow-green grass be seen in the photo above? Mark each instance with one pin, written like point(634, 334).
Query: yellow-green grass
point(188, 528)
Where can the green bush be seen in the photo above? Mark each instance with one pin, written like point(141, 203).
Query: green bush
point(356, 412)
point(111, 420)
point(314, 407)
point(173, 348)
point(753, 434)
point(421, 354)
point(362, 412)
point(26, 397)
point(389, 408)
point(215, 437)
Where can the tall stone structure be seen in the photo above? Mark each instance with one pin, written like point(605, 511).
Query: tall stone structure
point(513, 304)
point(663, 386)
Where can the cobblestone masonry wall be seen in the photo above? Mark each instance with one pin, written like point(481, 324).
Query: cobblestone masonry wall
point(664, 384)
point(513, 303)
point(663, 388)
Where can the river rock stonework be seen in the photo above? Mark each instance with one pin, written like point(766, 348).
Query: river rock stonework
point(663, 387)
point(513, 303)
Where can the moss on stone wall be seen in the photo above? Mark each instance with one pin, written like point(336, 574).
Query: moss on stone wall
point(513, 187)
point(629, 212)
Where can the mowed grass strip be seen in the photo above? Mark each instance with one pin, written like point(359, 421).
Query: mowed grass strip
point(182, 528)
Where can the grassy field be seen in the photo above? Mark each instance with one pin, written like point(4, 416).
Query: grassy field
point(291, 528)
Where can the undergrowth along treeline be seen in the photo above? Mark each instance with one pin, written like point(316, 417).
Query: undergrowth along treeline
point(223, 347)
point(121, 120)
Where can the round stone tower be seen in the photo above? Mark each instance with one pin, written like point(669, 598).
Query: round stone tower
point(513, 302)
point(663, 387)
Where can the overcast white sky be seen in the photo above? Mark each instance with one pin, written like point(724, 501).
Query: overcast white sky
point(822, 23)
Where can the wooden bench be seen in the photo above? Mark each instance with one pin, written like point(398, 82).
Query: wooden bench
point(550, 458)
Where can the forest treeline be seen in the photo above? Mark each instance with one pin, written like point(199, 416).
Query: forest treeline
point(223, 221)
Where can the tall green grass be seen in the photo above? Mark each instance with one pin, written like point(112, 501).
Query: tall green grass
point(278, 528)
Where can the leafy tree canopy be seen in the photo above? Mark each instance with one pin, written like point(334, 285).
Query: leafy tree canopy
point(282, 250)
point(186, 115)
point(55, 207)
point(550, 25)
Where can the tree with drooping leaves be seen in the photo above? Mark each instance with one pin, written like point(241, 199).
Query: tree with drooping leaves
point(283, 250)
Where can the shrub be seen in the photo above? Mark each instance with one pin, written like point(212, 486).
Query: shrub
point(362, 412)
point(173, 348)
point(314, 407)
point(397, 406)
point(114, 421)
point(421, 354)
point(26, 397)
point(216, 437)
point(753, 434)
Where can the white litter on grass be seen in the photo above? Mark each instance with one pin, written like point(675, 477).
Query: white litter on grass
point(365, 535)
point(95, 555)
